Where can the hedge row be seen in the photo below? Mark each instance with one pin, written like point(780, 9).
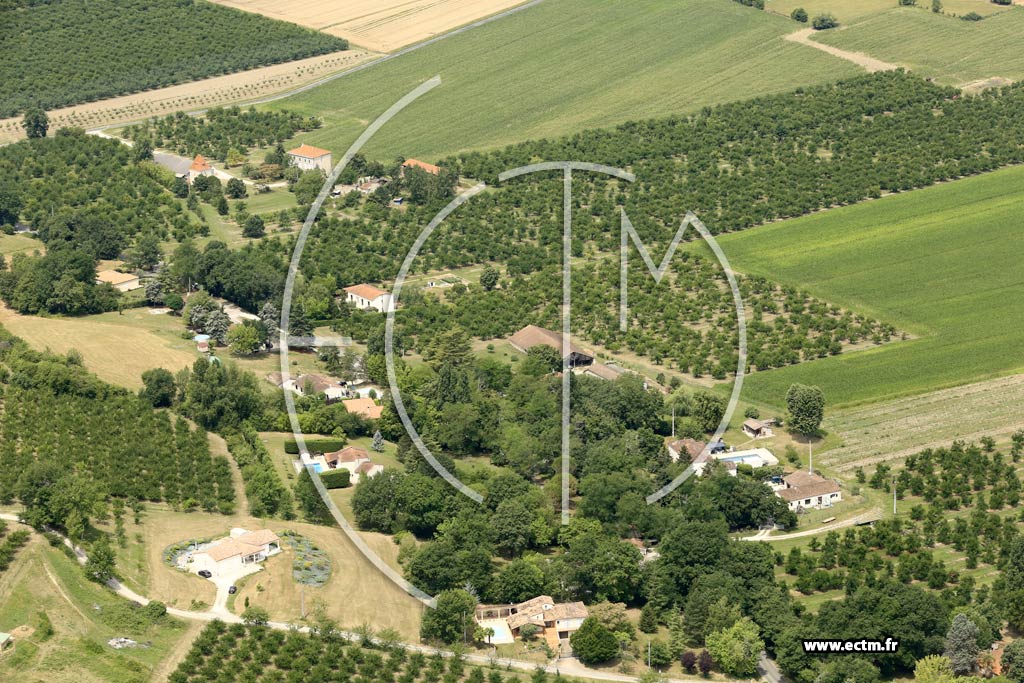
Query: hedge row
point(314, 445)
point(336, 479)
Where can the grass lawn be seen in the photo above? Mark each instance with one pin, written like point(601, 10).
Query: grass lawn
point(19, 244)
point(117, 347)
point(942, 263)
point(943, 47)
point(83, 615)
point(563, 66)
point(376, 600)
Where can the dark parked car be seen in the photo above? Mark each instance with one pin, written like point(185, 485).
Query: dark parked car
point(232, 590)
point(205, 573)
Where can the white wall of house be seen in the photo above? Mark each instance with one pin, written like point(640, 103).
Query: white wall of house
point(382, 303)
point(816, 502)
point(322, 163)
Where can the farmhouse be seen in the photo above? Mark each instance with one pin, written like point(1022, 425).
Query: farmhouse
point(602, 371)
point(310, 158)
point(556, 621)
point(355, 460)
point(756, 429)
point(237, 550)
point(122, 282)
point(366, 407)
point(310, 385)
point(531, 336)
point(422, 165)
point(803, 490)
point(200, 166)
point(690, 448)
point(369, 297)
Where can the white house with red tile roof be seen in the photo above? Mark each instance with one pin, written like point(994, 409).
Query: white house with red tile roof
point(200, 166)
point(365, 297)
point(310, 158)
point(122, 282)
point(234, 552)
point(352, 458)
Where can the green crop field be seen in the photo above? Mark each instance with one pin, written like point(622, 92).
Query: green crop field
point(563, 66)
point(942, 47)
point(941, 263)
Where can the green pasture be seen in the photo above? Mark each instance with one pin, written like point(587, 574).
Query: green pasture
point(943, 47)
point(564, 66)
point(943, 264)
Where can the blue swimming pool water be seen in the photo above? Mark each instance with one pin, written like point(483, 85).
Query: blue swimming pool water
point(318, 467)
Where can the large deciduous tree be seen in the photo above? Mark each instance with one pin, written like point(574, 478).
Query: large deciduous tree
point(806, 406)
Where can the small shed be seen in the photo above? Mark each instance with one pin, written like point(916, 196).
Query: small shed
point(756, 429)
point(6, 642)
point(202, 342)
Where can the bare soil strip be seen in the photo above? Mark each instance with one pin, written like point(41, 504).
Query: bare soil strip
point(896, 429)
point(867, 62)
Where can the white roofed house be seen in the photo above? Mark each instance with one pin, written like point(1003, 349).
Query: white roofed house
point(310, 158)
point(366, 297)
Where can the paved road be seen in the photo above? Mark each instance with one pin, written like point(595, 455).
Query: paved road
point(769, 670)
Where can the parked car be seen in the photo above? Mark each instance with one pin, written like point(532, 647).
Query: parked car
point(232, 590)
point(205, 573)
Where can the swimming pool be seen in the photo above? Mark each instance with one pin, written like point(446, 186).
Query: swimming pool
point(318, 468)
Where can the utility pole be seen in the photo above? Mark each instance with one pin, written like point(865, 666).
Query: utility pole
point(810, 456)
point(673, 420)
point(894, 496)
point(302, 593)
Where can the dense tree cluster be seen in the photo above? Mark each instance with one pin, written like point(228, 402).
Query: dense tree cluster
point(71, 443)
point(87, 199)
point(125, 46)
point(220, 131)
point(466, 406)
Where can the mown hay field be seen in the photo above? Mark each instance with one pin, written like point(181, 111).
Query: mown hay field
point(382, 25)
point(942, 263)
point(563, 66)
point(946, 48)
point(117, 347)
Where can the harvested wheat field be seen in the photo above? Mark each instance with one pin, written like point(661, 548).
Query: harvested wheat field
point(224, 90)
point(381, 25)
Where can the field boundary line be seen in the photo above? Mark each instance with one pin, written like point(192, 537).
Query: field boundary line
point(351, 70)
